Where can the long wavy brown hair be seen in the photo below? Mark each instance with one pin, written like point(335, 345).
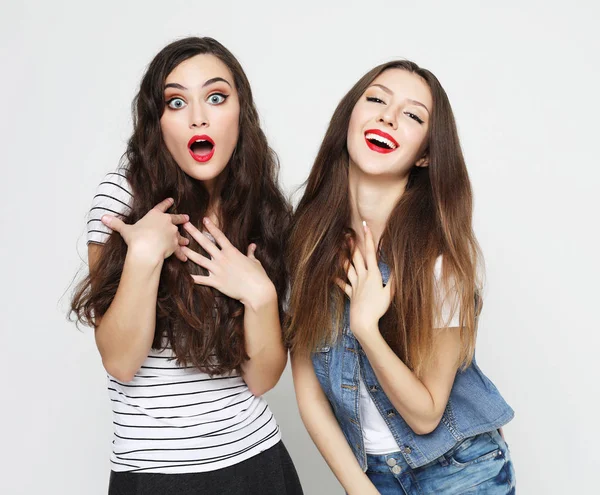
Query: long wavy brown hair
point(433, 217)
point(203, 326)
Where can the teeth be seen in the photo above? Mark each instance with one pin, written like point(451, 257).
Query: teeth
point(381, 139)
point(201, 141)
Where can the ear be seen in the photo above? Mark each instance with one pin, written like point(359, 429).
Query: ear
point(422, 162)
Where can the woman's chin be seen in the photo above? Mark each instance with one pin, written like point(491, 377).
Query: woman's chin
point(204, 172)
point(375, 170)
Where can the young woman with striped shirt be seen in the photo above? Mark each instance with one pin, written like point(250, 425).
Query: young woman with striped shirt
point(185, 248)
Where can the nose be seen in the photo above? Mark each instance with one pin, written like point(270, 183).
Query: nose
point(198, 117)
point(387, 119)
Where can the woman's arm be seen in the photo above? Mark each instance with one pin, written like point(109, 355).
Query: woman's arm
point(323, 428)
point(264, 342)
point(125, 332)
point(242, 277)
point(420, 402)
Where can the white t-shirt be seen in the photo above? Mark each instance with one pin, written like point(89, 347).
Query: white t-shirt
point(173, 419)
point(377, 436)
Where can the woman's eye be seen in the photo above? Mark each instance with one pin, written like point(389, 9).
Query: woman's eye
point(374, 100)
point(176, 103)
point(216, 98)
point(414, 117)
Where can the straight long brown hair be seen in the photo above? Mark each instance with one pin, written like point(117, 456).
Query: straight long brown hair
point(203, 327)
point(433, 217)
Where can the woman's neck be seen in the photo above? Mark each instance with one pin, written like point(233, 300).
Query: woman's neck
point(213, 212)
point(372, 200)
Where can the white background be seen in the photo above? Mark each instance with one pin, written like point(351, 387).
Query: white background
point(523, 80)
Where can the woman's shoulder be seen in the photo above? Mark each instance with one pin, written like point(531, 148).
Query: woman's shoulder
point(116, 182)
point(113, 197)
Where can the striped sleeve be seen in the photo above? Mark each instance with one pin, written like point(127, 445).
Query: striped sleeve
point(113, 197)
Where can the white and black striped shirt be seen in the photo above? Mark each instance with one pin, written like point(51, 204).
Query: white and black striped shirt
point(173, 419)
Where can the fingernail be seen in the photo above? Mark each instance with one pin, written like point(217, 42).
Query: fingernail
point(105, 219)
point(187, 217)
point(364, 225)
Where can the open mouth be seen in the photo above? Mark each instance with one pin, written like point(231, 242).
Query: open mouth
point(380, 141)
point(202, 148)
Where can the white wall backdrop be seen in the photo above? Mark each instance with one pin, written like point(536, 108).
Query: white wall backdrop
point(523, 78)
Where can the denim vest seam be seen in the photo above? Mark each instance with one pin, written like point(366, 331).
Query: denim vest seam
point(349, 356)
point(327, 365)
point(356, 378)
point(498, 423)
point(450, 421)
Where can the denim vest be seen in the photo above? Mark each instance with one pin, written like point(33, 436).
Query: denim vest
point(475, 405)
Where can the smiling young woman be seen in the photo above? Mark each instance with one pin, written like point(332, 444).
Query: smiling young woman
point(185, 286)
point(382, 243)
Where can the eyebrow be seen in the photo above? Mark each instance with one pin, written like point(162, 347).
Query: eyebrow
point(207, 83)
point(214, 80)
point(390, 92)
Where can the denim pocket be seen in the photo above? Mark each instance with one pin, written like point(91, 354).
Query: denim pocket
point(474, 450)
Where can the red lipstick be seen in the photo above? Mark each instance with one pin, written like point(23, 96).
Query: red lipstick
point(380, 141)
point(205, 154)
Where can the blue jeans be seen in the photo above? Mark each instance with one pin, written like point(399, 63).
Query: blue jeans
point(477, 465)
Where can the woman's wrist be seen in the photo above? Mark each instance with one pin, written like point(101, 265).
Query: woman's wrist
point(143, 254)
point(260, 297)
point(365, 330)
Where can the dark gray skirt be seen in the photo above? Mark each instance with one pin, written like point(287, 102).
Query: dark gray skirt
point(271, 472)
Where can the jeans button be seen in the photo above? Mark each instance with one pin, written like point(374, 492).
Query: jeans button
point(396, 470)
point(407, 450)
point(391, 462)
